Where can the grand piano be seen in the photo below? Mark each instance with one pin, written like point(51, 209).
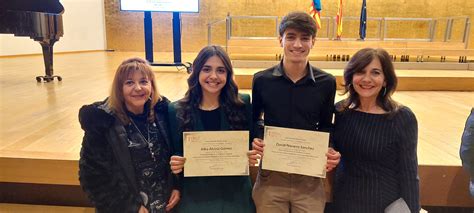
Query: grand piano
point(41, 20)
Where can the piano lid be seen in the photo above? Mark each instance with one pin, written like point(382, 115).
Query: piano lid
point(43, 6)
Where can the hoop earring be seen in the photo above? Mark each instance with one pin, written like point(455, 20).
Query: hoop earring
point(384, 91)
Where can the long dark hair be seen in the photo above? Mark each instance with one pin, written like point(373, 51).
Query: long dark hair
point(357, 63)
point(229, 99)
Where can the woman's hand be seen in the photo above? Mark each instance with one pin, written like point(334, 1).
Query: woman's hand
point(142, 210)
point(177, 164)
point(333, 159)
point(174, 199)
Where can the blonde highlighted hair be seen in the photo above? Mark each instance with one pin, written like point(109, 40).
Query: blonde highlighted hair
point(116, 101)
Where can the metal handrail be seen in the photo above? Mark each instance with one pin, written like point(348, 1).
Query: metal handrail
point(430, 29)
point(253, 17)
point(378, 19)
point(328, 20)
point(467, 29)
point(209, 31)
point(433, 23)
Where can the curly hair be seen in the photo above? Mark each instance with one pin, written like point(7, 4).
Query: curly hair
point(358, 62)
point(229, 100)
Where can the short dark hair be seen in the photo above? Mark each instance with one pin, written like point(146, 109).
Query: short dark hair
point(358, 62)
point(300, 21)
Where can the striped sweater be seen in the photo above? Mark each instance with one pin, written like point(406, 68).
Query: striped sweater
point(379, 161)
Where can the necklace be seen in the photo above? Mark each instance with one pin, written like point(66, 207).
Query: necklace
point(208, 108)
point(147, 140)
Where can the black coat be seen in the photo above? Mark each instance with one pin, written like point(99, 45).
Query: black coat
point(106, 170)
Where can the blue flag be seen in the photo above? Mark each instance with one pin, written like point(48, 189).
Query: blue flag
point(314, 11)
point(317, 5)
point(363, 21)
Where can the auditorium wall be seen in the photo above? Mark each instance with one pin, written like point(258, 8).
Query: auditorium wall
point(125, 29)
point(84, 29)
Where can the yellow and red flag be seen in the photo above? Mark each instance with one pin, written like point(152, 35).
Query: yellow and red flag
point(339, 19)
point(315, 12)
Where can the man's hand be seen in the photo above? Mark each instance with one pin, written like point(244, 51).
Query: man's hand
point(256, 152)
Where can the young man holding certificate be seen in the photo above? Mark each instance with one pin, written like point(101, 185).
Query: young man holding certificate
point(293, 95)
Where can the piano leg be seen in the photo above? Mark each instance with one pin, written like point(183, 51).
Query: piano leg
point(48, 62)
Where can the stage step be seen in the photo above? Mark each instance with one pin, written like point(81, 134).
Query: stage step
point(15, 208)
point(350, 44)
point(342, 64)
point(239, 47)
point(408, 80)
point(323, 51)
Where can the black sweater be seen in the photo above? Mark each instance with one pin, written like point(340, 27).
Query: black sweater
point(307, 104)
point(379, 161)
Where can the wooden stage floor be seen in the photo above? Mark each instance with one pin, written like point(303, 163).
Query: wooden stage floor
point(40, 133)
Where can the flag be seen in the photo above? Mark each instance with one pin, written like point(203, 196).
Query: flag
point(339, 19)
point(315, 12)
point(363, 21)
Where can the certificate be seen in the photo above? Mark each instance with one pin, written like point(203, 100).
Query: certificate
point(295, 151)
point(216, 153)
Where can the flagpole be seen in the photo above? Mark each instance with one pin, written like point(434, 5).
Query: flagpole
point(339, 20)
point(363, 21)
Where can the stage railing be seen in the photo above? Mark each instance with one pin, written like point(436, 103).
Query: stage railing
point(213, 25)
point(253, 18)
point(330, 27)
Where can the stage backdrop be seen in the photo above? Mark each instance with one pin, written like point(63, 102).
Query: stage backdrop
point(125, 29)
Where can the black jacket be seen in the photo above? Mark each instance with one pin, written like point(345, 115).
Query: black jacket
point(106, 171)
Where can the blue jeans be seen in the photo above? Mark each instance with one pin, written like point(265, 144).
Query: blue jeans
point(471, 187)
point(467, 149)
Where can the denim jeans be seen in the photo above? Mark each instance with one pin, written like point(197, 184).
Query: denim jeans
point(467, 149)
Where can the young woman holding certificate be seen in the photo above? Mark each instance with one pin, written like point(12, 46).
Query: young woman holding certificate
point(212, 103)
point(377, 138)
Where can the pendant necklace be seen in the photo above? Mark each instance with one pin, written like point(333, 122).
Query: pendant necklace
point(148, 141)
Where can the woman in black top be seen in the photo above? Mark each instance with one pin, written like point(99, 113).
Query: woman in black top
point(124, 161)
point(377, 138)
